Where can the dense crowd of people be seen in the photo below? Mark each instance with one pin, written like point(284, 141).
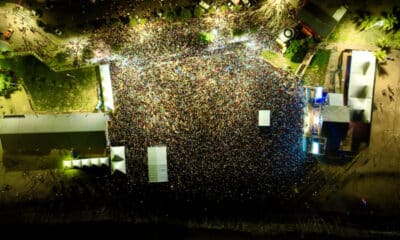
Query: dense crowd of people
point(202, 104)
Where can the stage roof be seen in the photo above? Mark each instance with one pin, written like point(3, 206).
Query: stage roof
point(361, 82)
point(336, 114)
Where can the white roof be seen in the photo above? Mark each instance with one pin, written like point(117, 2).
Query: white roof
point(361, 82)
point(157, 163)
point(264, 117)
point(88, 162)
point(106, 87)
point(335, 99)
point(362, 104)
point(336, 114)
point(53, 123)
point(118, 165)
point(362, 74)
point(339, 13)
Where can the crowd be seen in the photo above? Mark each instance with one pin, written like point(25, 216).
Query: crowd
point(203, 105)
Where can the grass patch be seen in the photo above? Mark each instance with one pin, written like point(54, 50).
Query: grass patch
point(315, 73)
point(278, 60)
point(66, 91)
point(348, 32)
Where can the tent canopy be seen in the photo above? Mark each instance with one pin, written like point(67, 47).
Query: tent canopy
point(118, 162)
point(157, 163)
point(106, 87)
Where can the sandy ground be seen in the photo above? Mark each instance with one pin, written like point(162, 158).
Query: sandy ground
point(371, 181)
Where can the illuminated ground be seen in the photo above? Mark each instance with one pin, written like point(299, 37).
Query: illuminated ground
point(202, 103)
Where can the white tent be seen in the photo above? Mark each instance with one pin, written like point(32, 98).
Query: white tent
point(118, 161)
point(157, 164)
point(336, 114)
point(106, 87)
point(361, 82)
point(335, 99)
point(264, 118)
point(86, 162)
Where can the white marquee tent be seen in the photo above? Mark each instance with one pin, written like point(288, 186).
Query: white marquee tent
point(157, 164)
point(106, 87)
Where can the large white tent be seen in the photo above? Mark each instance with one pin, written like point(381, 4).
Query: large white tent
point(361, 82)
point(264, 118)
point(106, 87)
point(157, 164)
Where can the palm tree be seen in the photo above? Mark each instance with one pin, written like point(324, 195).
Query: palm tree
point(367, 21)
point(389, 22)
point(380, 55)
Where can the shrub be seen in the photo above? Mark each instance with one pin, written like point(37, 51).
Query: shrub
point(133, 22)
point(224, 8)
point(87, 53)
point(6, 84)
point(198, 11)
point(169, 16)
point(237, 32)
point(143, 21)
point(61, 57)
point(206, 37)
point(185, 14)
point(296, 51)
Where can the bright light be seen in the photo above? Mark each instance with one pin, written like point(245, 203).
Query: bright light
point(251, 44)
point(67, 164)
point(318, 92)
point(379, 23)
point(215, 32)
point(315, 148)
point(316, 120)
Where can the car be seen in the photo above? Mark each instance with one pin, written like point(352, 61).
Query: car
point(8, 33)
point(283, 39)
point(58, 32)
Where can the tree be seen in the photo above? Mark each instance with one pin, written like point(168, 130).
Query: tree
point(389, 22)
point(61, 57)
point(367, 21)
point(276, 11)
point(383, 43)
point(380, 55)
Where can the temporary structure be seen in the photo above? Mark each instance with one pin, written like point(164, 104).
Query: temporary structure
point(106, 87)
point(157, 163)
point(118, 161)
point(264, 118)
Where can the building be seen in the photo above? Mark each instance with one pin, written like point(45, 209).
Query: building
point(25, 136)
point(317, 20)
